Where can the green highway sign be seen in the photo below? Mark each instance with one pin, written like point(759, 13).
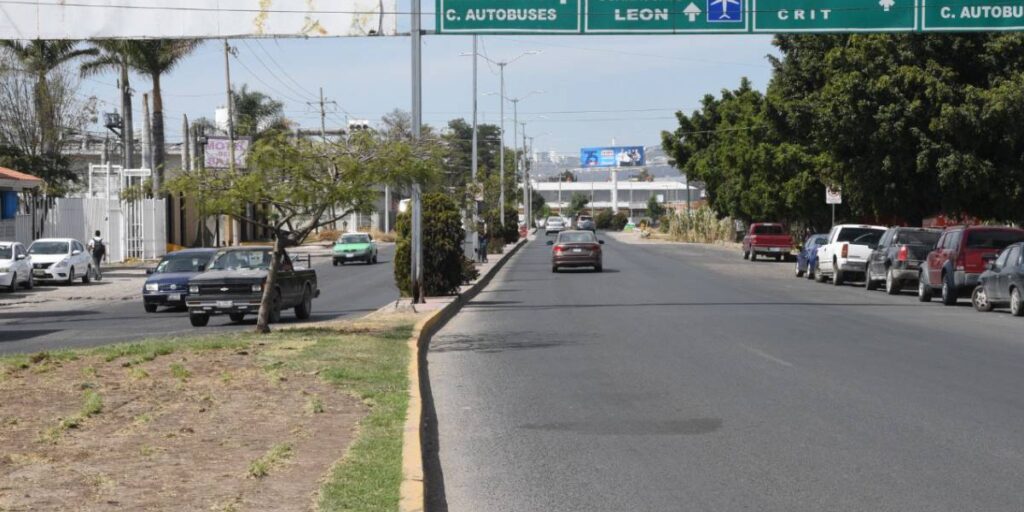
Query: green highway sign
point(835, 15)
point(504, 16)
point(664, 16)
point(970, 15)
point(725, 16)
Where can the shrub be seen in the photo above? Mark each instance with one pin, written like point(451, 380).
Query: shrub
point(603, 219)
point(381, 236)
point(443, 265)
point(328, 235)
point(701, 226)
point(664, 221)
point(619, 221)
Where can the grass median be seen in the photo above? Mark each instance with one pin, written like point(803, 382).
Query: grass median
point(298, 419)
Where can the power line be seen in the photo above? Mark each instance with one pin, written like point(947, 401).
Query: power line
point(265, 83)
point(279, 66)
point(271, 72)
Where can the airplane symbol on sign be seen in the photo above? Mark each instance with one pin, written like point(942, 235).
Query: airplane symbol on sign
point(725, 11)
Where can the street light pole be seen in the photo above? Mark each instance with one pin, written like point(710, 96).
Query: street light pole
point(501, 174)
point(473, 239)
point(416, 256)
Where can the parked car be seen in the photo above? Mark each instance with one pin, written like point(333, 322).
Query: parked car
point(959, 258)
point(353, 247)
point(586, 223)
point(1001, 283)
point(554, 224)
point(60, 259)
point(233, 285)
point(15, 266)
point(807, 257)
point(576, 249)
point(896, 261)
point(768, 239)
point(846, 252)
point(167, 284)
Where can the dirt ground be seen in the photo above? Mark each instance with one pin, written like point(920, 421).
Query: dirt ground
point(178, 432)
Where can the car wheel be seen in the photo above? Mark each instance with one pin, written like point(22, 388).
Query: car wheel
point(305, 308)
point(837, 275)
point(892, 285)
point(71, 276)
point(199, 320)
point(869, 284)
point(924, 291)
point(948, 290)
point(979, 299)
point(150, 308)
point(554, 268)
point(14, 283)
point(1016, 306)
point(334, 262)
point(374, 259)
point(599, 268)
point(746, 255)
point(31, 283)
point(819, 277)
point(88, 275)
point(753, 256)
point(236, 317)
point(778, 257)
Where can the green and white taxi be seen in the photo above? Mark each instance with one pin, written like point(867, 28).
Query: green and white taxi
point(355, 247)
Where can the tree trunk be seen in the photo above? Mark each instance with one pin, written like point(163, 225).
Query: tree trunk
point(127, 130)
point(158, 134)
point(44, 114)
point(270, 286)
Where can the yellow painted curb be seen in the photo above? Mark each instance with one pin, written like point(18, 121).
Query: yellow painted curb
point(412, 492)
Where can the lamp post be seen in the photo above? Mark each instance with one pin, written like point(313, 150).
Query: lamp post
point(501, 68)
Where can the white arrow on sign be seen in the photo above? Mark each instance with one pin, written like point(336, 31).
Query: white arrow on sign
point(887, 4)
point(692, 11)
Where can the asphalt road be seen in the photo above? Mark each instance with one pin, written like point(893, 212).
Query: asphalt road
point(345, 290)
point(684, 378)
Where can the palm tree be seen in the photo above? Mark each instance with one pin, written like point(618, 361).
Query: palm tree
point(155, 58)
point(40, 58)
point(112, 55)
point(257, 114)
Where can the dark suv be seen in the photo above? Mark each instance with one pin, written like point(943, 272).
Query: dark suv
point(897, 258)
point(960, 256)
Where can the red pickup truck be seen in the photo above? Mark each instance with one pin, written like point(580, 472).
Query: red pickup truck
point(767, 239)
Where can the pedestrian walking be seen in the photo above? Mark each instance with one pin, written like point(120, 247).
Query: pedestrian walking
point(482, 238)
point(98, 249)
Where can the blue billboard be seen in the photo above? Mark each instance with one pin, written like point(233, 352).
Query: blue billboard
point(613, 156)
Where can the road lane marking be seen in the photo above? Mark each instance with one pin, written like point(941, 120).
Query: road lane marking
point(767, 355)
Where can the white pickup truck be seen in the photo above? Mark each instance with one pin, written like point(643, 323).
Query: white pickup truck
point(846, 252)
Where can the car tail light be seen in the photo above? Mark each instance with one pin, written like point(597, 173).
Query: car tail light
point(845, 251)
point(559, 248)
point(595, 248)
point(903, 254)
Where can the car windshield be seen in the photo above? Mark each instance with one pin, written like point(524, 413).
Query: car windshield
point(584, 218)
point(768, 229)
point(855, 234)
point(917, 238)
point(577, 238)
point(254, 259)
point(48, 248)
point(6, 253)
point(993, 238)
point(354, 239)
point(554, 219)
point(817, 240)
point(182, 263)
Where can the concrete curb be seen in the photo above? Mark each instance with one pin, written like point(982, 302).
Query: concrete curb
point(416, 433)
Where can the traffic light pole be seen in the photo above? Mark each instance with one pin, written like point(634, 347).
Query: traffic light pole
point(416, 255)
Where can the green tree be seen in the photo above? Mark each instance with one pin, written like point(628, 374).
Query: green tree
point(577, 203)
point(444, 262)
point(300, 182)
point(654, 209)
point(155, 58)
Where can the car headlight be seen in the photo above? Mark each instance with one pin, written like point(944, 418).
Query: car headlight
point(193, 288)
point(152, 287)
point(4, 269)
point(257, 288)
point(62, 263)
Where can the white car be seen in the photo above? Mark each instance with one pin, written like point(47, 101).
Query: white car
point(15, 266)
point(60, 259)
point(846, 252)
point(554, 225)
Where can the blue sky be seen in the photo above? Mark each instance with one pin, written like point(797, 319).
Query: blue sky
point(596, 88)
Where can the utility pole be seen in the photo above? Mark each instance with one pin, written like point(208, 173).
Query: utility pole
point(501, 174)
point(473, 239)
point(231, 132)
point(416, 256)
point(323, 112)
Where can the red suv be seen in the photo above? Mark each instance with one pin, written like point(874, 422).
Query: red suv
point(959, 258)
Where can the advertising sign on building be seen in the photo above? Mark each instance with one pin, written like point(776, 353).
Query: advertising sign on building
point(176, 19)
point(613, 156)
point(217, 154)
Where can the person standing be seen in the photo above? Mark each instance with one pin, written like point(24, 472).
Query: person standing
point(482, 238)
point(98, 249)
